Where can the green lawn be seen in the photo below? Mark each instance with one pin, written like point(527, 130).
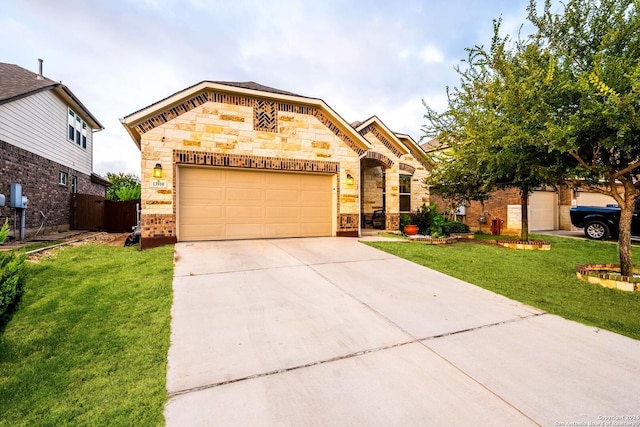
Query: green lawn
point(543, 279)
point(89, 341)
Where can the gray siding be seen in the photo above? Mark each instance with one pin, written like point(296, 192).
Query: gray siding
point(38, 123)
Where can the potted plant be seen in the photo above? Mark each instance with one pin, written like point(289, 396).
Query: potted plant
point(407, 226)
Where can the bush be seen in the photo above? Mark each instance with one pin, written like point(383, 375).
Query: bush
point(451, 227)
point(12, 279)
point(4, 231)
point(422, 218)
point(405, 219)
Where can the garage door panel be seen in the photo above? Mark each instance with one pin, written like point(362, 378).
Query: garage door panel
point(238, 214)
point(199, 193)
point(282, 195)
point(196, 212)
point(218, 204)
point(244, 230)
point(207, 231)
point(282, 213)
point(244, 195)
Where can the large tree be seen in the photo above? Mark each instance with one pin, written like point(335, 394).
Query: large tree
point(494, 124)
point(594, 98)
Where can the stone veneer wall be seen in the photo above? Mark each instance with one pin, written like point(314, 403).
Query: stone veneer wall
point(39, 179)
point(225, 134)
point(386, 154)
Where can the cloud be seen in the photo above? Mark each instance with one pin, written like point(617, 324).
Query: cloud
point(431, 55)
point(120, 56)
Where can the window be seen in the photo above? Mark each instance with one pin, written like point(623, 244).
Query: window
point(77, 129)
point(405, 193)
point(74, 184)
point(62, 178)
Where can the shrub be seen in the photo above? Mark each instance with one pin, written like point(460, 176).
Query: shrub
point(12, 278)
point(422, 218)
point(405, 219)
point(4, 231)
point(451, 227)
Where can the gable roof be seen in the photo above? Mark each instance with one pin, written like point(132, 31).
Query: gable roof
point(394, 140)
point(257, 86)
point(388, 138)
point(159, 112)
point(17, 83)
point(433, 145)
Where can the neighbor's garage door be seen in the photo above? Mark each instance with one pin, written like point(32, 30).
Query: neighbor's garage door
point(219, 204)
point(587, 198)
point(543, 211)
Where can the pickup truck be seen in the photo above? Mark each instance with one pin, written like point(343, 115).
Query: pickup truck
point(601, 222)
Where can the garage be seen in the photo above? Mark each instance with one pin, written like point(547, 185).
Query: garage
point(223, 204)
point(587, 198)
point(543, 210)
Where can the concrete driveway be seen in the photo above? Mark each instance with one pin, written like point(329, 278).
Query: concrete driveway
point(331, 332)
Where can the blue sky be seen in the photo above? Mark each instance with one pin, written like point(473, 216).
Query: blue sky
point(361, 58)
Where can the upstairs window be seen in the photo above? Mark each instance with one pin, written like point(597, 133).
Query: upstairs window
point(77, 129)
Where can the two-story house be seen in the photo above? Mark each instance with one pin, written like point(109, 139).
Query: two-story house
point(46, 146)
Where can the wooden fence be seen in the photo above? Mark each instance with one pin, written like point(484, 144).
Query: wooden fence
point(120, 217)
point(90, 212)
point(87, 212)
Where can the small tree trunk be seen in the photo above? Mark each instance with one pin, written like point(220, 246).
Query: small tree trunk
point(624, 236)
point(524, 207)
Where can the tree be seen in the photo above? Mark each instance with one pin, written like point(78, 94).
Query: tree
point(594, 99)
point(124, 186)
point(494, 124)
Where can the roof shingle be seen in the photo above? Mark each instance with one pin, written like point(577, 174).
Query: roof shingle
point(17, 82)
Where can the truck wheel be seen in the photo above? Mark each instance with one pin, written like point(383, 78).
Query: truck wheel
point(596, 230)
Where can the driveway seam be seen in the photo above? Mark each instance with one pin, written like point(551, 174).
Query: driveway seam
point(423, 343)
point(351, 355)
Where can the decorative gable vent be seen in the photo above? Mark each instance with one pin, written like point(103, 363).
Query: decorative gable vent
point(265, 116)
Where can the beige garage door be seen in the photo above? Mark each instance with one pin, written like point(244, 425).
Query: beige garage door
point(543, 211)
point(220, 204)
point(587, 198)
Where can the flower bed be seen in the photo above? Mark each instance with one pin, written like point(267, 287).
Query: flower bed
point(540, 245)
point(433, 240)
point(608, 275)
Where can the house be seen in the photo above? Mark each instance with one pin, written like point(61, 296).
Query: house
point(229, 160)
point(46, 146)
point(548, 207)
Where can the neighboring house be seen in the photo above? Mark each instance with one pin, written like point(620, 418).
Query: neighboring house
point(548, 208)
point(46, 146)
point(242, 160)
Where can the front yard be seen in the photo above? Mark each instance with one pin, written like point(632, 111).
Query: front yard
point(88, 344)
point(543, 279)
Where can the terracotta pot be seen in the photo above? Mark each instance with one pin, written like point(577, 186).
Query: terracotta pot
point(410, 230)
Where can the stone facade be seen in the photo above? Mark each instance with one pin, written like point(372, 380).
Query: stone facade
point(225, 134)
point(215, 125)
point(48, 200)
point(381, 169)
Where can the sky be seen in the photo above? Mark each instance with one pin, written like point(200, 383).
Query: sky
point(363, 58)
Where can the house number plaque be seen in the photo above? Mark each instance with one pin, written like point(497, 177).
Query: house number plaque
point(159, 183)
